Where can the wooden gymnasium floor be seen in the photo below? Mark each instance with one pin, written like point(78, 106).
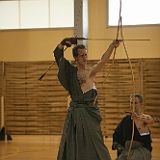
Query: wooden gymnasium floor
point(46, 147)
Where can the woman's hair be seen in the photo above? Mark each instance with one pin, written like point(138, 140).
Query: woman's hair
point(75, 49)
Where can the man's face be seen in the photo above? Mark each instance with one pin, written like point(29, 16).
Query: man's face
point(82, 56)
point(137, 105)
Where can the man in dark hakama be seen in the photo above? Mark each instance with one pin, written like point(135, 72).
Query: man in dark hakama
point(82, 136)
point(141, 146)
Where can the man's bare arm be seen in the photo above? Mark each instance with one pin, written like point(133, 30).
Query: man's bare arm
point(147, 119)
point(104, 59)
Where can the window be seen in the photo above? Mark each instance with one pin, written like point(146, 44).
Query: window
point(21, 14)
point(134, 12)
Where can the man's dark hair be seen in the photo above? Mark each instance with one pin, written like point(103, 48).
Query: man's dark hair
point(75, 49)
point(140, 97)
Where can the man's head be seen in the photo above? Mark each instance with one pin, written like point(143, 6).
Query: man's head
point(80, 53)
point(76, 49)
point(138, 99)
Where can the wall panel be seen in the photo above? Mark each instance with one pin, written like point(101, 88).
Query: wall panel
point(151, 91)
point(39, 107)
point(1, 64)
point(33, 106)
